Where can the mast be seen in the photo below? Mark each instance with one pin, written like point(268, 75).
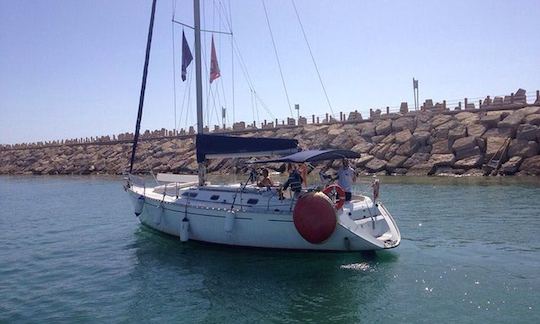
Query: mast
point(143, 86)
point(198, 81)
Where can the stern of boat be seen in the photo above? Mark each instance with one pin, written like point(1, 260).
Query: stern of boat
point(392, 237)
point(370, 223)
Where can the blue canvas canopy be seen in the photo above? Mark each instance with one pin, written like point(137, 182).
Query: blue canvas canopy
point(221, 146)
point(315, 156)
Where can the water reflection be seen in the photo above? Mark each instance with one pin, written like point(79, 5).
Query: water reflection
point(216, 283)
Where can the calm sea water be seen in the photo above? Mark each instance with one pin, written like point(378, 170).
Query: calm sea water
point(71, 250)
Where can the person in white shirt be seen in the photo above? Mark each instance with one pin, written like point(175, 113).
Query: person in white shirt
point(346, 177)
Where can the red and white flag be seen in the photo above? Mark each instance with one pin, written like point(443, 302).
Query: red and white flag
point(214, 66)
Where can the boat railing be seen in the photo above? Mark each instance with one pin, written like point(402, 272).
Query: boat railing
point(136, 180)
point(389, 216)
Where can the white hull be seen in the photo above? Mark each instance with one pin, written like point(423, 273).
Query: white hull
point(266, 227)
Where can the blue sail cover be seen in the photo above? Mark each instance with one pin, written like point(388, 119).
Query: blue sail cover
point(315, 156)
point(222, 146)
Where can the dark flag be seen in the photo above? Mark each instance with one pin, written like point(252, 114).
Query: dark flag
point(186, 56)
point(214, 66)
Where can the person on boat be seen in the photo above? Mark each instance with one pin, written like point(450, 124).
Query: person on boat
point(265, 181)
point(346, 176)
point(325, 178)
point(294, 181)
point(303, 169)
point(252, 175)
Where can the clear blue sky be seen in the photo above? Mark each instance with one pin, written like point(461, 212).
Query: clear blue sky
point(73, 68)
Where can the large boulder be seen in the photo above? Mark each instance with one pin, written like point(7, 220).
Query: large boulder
point(416, 159)
point(469, 162)
point(421, 137)
point(513, 120)
point(423, 117)
point(442, 160)
point(523, 148)
point(421, 169)
point(396, 162)
point(391, 151)
point(527, 132)
point(368, 130)
point(457, 132)
point(464, 143)
point(375, 165)
point(531, 165)
point(378, 138)
point(390, 138)
point(362, 146)
point(533, 119)
point(441, 147)
point(424, 149)
point(380, 150)
point(333, 131)
point(439, 134)
point(476, 130)
point(384, 127)
point(529, 110)
point(363, 160)
point(494, 143)
point(403, 123)
point(423, 127)
point(467, 118)
point(404, 136)
point(451, 124)
point(468, 152)
point(345, 140)
point(490, 121)
point(407, 148)
point(512, 165)
point(439, 120)
point(499, 132)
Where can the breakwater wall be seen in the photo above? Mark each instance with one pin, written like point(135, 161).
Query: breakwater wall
point(435, 141)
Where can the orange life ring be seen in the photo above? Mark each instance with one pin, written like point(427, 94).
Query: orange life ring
point(335, 191)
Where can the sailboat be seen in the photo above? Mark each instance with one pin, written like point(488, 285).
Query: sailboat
point(244, 214)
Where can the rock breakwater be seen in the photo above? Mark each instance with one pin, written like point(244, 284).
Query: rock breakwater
point(414, 143)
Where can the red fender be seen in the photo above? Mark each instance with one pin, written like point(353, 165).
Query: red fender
point(314, 217)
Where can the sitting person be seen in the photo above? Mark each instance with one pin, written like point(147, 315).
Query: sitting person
point(324, 177)
point(265, 181)
point(294, 181)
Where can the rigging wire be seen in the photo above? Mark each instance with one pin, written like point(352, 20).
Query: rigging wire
point(189, 112)
point(174, 64)
point(235, 48)
point(227, 17)
point(220, 85)
point(312, 57)
point(187, 92)
point(277, 58)
point(264, 105)
point(252, 104)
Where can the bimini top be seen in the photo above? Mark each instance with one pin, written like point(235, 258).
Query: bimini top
point(221, 146)
point(314, 156)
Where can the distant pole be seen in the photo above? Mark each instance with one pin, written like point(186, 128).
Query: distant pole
point(223, 115)
point(297, 107)
point(415, 93)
